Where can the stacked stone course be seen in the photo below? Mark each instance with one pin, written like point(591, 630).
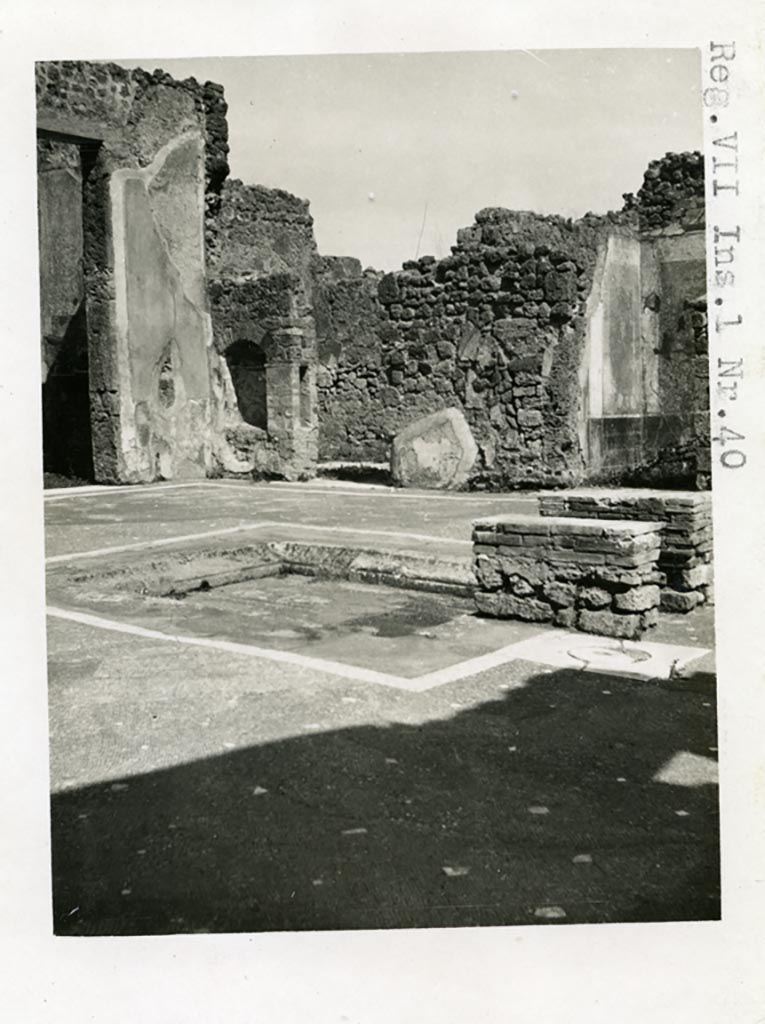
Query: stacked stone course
point(672, 192)
point(259, 231)
point(588, 575)
point(114, 98)
point(685, 562)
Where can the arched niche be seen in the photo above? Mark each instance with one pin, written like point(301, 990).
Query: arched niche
point(246, 362)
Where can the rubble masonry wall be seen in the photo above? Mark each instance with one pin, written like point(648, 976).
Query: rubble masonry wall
point(260, 253)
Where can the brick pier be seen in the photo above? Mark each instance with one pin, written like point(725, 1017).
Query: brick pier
point(598, 577)
point(685, 560)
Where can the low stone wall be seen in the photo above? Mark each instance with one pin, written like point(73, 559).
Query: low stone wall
point(685, 560)
point(588, 575)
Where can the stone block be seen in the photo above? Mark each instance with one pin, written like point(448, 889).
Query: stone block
point(588, 558)
point(536, 572)
point(487, 573)
point(573, 573)
point(488, 538)
point(530, 418)
point(519, 586)
point(615, 545)
point(553, 507)
point(631, 577)
point(633, 560)
point(502, 605)
point(594, 597)
point(483, 549)
point(437, 451)
point(650, 617)
point(673, 601)
point(518, 524)
point(560, 287)
point(559, 594)
point(698, 576)
point(637, 599)
point(607, 623)
point(686, 538)
point(565, 617)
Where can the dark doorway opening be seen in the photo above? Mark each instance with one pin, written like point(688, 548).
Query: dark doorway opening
point(64, 163)
point(247, 366)
point(67, 438)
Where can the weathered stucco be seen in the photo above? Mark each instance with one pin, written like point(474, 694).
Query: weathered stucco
point(561, 341)
point(163, 328)
point(147, 154)
point(673, 271)
point(496, 329)
point(620, 370)
point(212, 337)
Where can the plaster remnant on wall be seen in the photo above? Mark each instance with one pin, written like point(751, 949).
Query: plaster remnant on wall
point(157, 238)
point(573, 348)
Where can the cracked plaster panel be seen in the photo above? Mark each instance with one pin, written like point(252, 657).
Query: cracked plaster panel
point(623, 384)
point(163, 322)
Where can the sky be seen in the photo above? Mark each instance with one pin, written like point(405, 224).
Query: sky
point(397, 151)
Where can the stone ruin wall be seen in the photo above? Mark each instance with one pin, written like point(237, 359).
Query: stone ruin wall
point(670, 207)
point(151, 154)
point(496, 329)
point(259, 231)
point(260, 253)
point(502, 328)
point(137, 111)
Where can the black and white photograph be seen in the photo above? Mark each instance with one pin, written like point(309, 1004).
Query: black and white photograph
point(387, 403)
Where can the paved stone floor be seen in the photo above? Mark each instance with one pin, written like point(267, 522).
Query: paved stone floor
point(318, 755)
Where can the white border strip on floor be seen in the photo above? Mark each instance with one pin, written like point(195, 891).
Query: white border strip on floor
point(399, 493)
point(336, 668)
point(98, 490)
point(374, 533)
point(531, 649)
point(471, 667)
point(159, 543)
point(183, 538)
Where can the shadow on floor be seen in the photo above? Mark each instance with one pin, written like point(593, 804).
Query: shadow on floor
point(519, 799)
